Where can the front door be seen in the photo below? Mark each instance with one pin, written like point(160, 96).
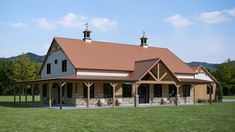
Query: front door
point(143, 92)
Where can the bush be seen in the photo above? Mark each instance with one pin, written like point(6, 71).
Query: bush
point(202, 101)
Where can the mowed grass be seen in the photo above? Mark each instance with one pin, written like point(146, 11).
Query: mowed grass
point(215, 117)
point(229, 97)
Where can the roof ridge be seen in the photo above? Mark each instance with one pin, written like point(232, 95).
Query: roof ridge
point(147, 60)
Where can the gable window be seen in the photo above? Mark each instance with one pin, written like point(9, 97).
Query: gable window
point(209, 89)
point(186, 90)
point(49, 68)
point(172, 90)
point(108, 90)
point(56, 61)
point(64, 65)
point(92, 91)
point(69, 90)
point(158, 90)
point(44, 90)
point(126, 90)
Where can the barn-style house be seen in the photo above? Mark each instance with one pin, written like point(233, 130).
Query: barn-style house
point(88, 73)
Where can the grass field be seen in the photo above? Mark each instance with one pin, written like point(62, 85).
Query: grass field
point(215, 117)
point(228, 97)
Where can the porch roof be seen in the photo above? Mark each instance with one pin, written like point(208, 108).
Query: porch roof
point(198, 81)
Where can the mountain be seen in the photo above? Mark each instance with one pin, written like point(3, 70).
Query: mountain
point(210, 66)
point(33, 57)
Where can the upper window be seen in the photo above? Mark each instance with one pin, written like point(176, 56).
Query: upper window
point(69, 90)
point(108, 90)
point(64, 65)
point(158, 90)
point(49, 68)
point(56, 61)
point(126, 90)
point(92, 91)
point(186, 90)
point(172, 90)
point(209, 89)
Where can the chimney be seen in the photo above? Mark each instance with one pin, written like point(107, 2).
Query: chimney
point(143, 39)
point(87, 34)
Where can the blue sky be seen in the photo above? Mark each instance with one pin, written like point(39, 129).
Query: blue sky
point(193, 30)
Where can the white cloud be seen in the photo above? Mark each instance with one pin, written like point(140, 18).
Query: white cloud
point(230, 12)
point(14, 24)
point(212, 17)
point(104, 24)
point(72, 20)
point(44, 23)
point(179, 21)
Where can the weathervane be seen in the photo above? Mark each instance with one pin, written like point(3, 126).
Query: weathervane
point(143, 33)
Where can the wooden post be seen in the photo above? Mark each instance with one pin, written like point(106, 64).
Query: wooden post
point(177, 94)
point(113, 100)
point(32, 92)
point(194, 94)
point(88, 84)
point(49, 94)
point(26, 99)
point(136, 100)
point(14, 92)
point(210, 90)
point(61, 86)
point(20, 95)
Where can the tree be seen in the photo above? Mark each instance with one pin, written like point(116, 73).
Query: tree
point(5, 76)
point(24, 69)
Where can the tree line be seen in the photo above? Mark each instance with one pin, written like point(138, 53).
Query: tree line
point(24, 69)
point(16, 70)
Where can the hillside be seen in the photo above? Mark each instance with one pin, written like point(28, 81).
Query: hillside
point(33, 57)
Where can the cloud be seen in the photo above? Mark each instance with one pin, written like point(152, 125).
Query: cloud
point(230, 12)
point(14, 24)
point(212, 17)
point(44, 23)
point(104, 24)
point(179, 21)
point(72, 20)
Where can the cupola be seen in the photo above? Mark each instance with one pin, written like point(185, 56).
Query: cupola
point(87, 33)
point(143, 40)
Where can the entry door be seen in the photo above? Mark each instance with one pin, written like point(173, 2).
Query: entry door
point(143, 92)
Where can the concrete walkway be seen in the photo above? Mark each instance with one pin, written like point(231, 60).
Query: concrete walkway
point(228, 100)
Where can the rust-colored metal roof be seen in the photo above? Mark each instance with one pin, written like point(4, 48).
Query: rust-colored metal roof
point(184, 80)
point(113, 56)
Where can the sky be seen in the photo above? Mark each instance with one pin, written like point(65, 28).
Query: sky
point(193, 30)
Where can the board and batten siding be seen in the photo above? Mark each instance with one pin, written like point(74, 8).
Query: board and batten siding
point(56, 69)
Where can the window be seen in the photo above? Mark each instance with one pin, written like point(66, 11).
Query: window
point(64, 65)
point(92, 91)
point(209, 89)
point(44, 90)
point(158, 90)
point(108, 90)
point(126, 90)
point(172, 90)
point(186, 90)
point(69, 90)
point(49, 68)
point(56, 61)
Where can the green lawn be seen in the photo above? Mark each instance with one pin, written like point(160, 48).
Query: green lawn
point(215, 117)
point(228, 97)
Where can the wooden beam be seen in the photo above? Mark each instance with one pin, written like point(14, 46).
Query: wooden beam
point(136, 100)
point(61, 86)
point(158, 71)
point(194, 94)
point(14, 92)
point(157, 82)
point(153, 75)
point(177, 94)
point(49, 94)
point(113, 100)
point(163, 76)
point(88, 84)
point(32, 92)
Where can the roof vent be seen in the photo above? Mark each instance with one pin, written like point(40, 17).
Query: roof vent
point(87, 33)
point(143, 39)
